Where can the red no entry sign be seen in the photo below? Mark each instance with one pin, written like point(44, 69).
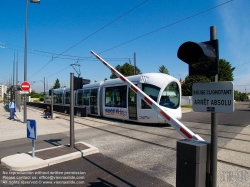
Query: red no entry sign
point(25, 86)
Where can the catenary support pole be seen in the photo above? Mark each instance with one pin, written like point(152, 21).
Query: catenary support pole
point(52, 102)
point(14, 68)
point(17, 92)
point(72, 135)
point(214, 130)
point(44, 87)
point(134, 63)
point(25, 63)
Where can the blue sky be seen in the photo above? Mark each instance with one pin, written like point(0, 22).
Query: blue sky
point(115, 30)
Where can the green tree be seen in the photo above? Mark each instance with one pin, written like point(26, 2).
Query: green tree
point(240, 96)
point(57, 84)
point(225, 74)
point(236, 95)
point(163, 69)
point(126, 70)
point(189, 81)
point(33, 94)
point(4, 96)
point(225, 71)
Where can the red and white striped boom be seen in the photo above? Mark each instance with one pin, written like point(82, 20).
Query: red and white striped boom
point(176, 124)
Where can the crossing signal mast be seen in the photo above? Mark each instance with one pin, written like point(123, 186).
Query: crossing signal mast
point(203, 59)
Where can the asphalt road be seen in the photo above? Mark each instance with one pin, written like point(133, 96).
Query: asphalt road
point(118, 152)
point(240, 116)
point(95, 170)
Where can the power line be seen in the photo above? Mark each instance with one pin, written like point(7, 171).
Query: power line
point(184, 19)
point(73, 57)
point(242, 64)
point(171, 24)
point(58, 71)
point(93, 33)
point(79, 57)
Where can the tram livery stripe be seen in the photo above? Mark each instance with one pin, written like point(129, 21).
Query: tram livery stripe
point(104, 63)
point(165, 115)
point(99, 58)
point(113, 70)
point(148, 100)
point(186, 133)
point(134, 88)
point(122, 78)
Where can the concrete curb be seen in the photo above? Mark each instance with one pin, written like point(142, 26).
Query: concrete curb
point(25, 161)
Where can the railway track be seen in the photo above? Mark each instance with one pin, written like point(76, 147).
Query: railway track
point(233, 147)
point(168, 134)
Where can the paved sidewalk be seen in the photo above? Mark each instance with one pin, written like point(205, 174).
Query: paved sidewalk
point(185, 110)
point(15, 129)
point(101, 170)
point(47, 157)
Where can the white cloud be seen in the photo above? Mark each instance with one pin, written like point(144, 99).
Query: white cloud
point(236, 36)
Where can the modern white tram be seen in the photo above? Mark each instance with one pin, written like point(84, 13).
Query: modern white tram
point(114, 99)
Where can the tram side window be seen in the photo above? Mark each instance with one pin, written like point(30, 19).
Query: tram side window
point(86, 97)
point(67, 98)
point(152, 91)
point(116, 96)
point(79, 97)
point(171, 96)
point(58, 98)
point(47, 99)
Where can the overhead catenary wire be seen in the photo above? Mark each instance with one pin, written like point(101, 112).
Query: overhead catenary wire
point(171, 24)
point(119, 17)
point(59, 71)
point(74, 58)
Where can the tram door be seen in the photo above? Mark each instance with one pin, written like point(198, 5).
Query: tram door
point(93, 101)
point(132, 103)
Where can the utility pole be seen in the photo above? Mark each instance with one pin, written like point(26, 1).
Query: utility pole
point(134, 63)
point(72, 130)
point(17, 95)
point(14, 63)
point(44, 86)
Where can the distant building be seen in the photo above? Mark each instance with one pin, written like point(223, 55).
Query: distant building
point(3, 90)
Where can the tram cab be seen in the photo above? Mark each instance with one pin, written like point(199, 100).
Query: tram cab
point(114, 99)
point(120, 102)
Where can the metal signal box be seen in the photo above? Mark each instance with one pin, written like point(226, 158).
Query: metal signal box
point(191, 163)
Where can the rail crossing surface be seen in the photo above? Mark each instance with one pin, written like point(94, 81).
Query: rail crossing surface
point(149, 149)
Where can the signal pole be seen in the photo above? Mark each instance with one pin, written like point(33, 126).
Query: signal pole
point(214, 129)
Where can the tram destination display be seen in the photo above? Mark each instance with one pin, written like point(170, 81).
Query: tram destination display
point(215, 97)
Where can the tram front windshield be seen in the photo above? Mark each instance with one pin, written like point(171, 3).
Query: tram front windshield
point(170, 97)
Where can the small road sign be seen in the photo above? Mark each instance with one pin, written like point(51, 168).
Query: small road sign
point(217, 97)
point(31, 129)
point(23, 92)
point(25, 86)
